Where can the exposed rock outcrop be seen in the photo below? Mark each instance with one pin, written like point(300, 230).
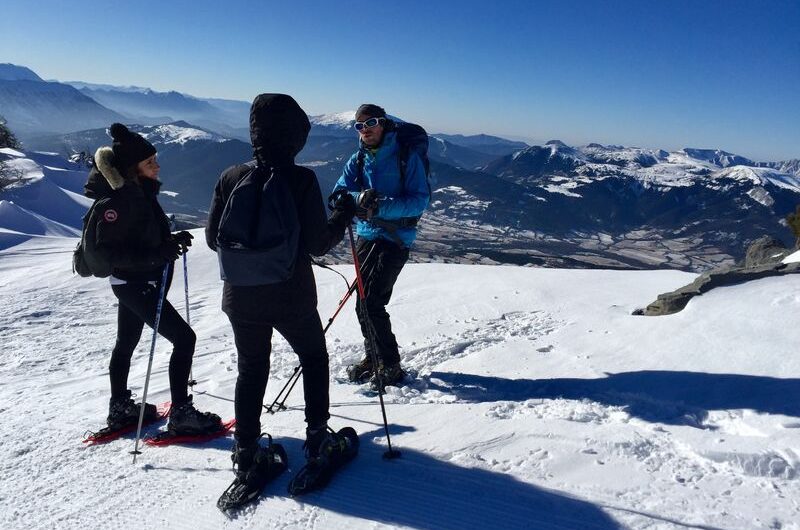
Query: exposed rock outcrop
point(763, 259)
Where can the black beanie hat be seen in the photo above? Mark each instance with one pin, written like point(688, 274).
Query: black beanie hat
point(371, 110)
point(129, 148)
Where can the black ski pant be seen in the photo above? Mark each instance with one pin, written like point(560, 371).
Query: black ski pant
point(383, 268)
point(137, 305)
point(253, 345)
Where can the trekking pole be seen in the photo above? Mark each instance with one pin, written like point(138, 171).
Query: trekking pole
point(362, 309)
point(191, 382)
point(298, 371)
point(161, 297)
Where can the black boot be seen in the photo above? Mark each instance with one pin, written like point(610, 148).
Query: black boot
point(391, 375)
point(187, 420)
point(123, 412)
point(326, 451)
point(255, 466)
point(361, 371)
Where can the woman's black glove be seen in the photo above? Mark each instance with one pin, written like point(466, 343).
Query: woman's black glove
point(184, 239)
point(343, 206)
point(169, 250)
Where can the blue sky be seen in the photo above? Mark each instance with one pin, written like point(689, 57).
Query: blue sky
point(665, 74)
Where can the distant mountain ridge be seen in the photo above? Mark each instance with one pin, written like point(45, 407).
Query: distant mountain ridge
point(12, 72)
point(151, 107)
point(34, 107)
point(483, 143)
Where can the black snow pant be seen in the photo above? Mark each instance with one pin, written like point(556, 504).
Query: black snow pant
point(137, 305)
point(253, 345)
point(381, 272)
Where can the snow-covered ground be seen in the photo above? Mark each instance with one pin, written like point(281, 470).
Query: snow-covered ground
point(540, 402)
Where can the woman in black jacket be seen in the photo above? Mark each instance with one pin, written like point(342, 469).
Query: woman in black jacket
point(278, 130)
point(133, 236)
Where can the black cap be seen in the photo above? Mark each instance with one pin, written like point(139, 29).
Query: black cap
point(371, 110)
point(129, 148)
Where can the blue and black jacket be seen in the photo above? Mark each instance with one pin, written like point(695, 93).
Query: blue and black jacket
point(401, 200)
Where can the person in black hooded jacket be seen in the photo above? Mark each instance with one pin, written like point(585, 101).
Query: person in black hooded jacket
point(279, 129)
point(133, 236)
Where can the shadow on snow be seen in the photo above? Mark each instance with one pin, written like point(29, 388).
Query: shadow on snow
point(677, 398)
point(420, 491)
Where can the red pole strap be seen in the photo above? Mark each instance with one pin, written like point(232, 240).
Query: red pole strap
point(361, 294)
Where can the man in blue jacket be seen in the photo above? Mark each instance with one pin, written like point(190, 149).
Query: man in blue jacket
point(391, 195)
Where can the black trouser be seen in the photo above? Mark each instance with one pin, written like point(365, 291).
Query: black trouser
point(137, 306)
point(253, 345)
point(384, 267)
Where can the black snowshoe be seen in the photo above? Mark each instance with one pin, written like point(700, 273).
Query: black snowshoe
point(187, 420)
point(255, 467)
point(326, 452)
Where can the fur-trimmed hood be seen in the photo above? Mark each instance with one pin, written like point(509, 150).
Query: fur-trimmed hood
point(104, 162)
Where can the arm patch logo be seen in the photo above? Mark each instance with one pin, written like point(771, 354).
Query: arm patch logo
point(110, 216)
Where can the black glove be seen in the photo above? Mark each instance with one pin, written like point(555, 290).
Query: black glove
point(184, 239)
point(367, 207)
point(169, 250)
point(343, 206)
point(344, 202)
point(341, 199)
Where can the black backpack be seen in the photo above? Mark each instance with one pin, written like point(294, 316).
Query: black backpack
point(410, 138)
point(86, 261)
point(258, 235)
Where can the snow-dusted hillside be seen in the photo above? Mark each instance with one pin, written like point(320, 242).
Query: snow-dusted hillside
point(47, 200)
point(180, 133)
point(540, 402)
point(338, 120)
point(191, 159)
point(556, 162)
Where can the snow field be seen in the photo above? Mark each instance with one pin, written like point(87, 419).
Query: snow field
point(539, 402)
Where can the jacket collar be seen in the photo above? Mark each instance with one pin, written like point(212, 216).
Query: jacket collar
point(386, 149)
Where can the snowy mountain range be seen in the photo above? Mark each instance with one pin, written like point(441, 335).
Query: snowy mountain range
point(670, 211)
point(494, 200)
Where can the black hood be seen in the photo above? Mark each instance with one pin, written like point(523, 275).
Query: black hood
point(278, 129)
point(96, 185)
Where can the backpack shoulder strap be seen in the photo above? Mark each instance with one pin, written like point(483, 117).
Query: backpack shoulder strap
point(360, 169)
point(402, 162)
